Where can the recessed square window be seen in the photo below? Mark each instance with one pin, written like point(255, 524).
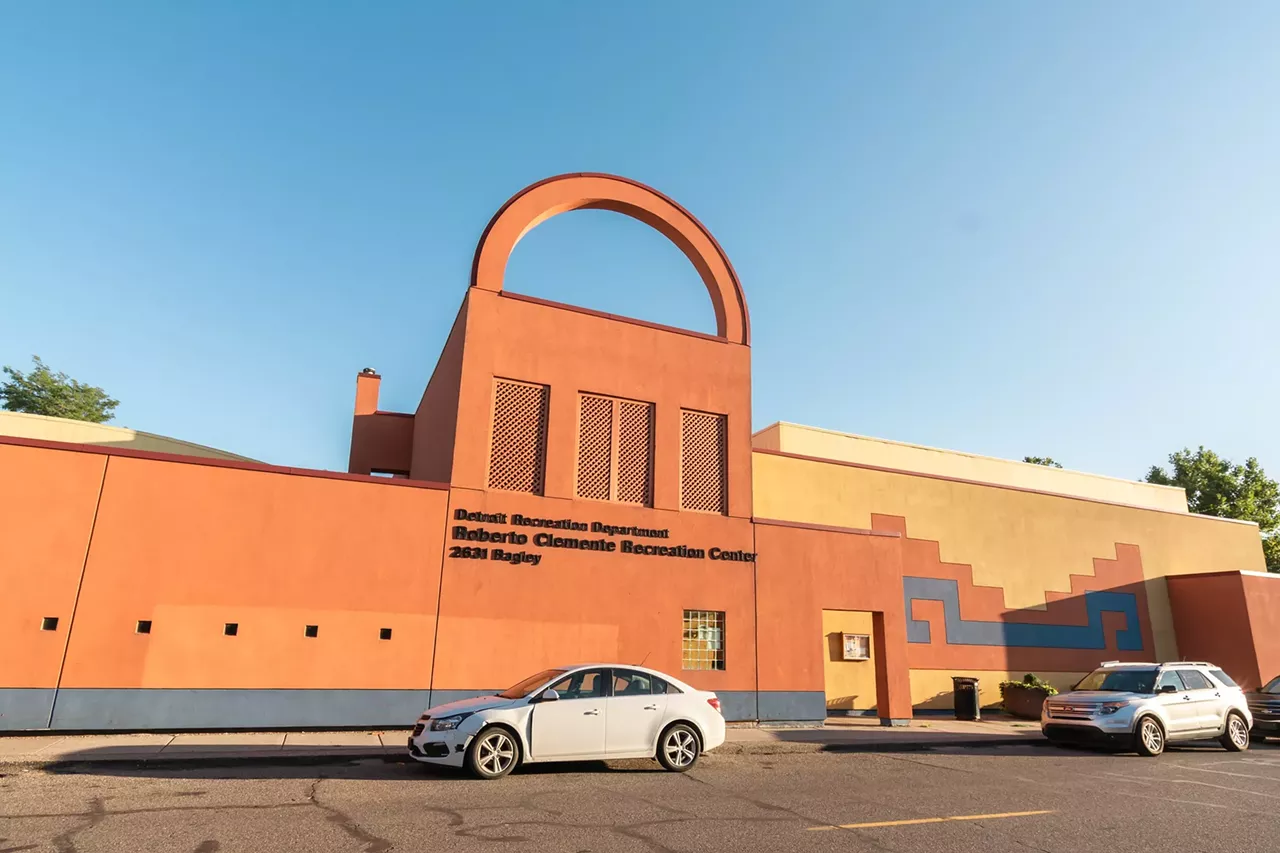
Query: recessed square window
point(231, 629)
point(49, 623)
point(384, 634)
point(144, 626)
point(702, 645)
point(312, 631)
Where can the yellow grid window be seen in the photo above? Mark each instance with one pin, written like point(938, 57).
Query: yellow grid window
point(702, 646)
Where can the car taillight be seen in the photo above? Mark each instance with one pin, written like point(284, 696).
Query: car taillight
point(714, 703)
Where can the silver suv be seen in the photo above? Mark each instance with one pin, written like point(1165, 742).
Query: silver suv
point(1143, 706)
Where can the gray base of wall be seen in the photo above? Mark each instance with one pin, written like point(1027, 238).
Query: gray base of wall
point(112, 709)
point(165, 709)
point(791, 705)
point(24, 708)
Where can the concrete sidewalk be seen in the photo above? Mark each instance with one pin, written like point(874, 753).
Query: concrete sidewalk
point(839, 734)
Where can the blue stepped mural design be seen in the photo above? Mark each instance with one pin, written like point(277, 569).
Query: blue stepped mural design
point(966, 632)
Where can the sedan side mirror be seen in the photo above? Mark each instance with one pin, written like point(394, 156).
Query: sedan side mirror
point(1169, 688)
point(548, 695)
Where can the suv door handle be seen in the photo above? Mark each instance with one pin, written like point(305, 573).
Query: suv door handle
point(1186, 698)
point(592, 713)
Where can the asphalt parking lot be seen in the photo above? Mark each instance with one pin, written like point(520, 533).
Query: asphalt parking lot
point(992, 799)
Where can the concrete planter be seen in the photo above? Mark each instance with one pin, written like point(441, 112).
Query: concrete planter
point(1024, 702)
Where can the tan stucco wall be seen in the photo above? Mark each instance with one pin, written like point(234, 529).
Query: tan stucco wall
point(1026, 543)
point(843, 447)
point(931, 688)
point(21, 425)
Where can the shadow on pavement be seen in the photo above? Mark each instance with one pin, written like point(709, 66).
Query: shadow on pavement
point(334, 766)
point(234, 763)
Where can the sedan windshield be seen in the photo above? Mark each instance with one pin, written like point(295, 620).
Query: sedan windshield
point(1120, 681)
point(1273, 686)
point(530, 684)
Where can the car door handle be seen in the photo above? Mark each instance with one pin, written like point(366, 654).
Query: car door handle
point(651, 707)
point(592, 713)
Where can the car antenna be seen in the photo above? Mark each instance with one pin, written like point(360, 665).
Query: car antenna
point(646, 657)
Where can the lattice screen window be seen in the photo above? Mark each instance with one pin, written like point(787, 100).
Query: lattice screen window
point(702, 642)
point(517, 456)
point(703, 460)
point(615, 450)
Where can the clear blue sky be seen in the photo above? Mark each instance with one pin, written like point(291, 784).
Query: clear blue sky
point(1048, 229)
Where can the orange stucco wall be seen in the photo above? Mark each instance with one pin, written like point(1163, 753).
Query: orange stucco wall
point(801, 572)
point(47, 503)
point(193, 547)
point(435, 423)
point(573, 351)
point(1231, 619)
point(500, 622)
point(1262, 592)
point(381, 441)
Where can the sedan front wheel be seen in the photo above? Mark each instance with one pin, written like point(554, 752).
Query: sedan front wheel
point(678, 748)
point(493, 753)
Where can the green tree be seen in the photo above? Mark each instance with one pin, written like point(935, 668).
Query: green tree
point(43, 392)
point(1216, 486)
point(1046, 461)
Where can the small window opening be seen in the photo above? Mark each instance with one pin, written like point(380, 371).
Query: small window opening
point(231, 629)
point(49, 623)
point(384, 634)
point(144, 626)
point(312, 631)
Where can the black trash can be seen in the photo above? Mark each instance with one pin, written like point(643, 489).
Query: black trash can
point(964, 694)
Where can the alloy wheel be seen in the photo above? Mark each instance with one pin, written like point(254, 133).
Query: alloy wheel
point(1152, 737)
point(496, 753)
point(1238, 731)
point(681, 748)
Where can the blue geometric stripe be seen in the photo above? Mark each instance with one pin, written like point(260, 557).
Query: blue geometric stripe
point(1031, 635)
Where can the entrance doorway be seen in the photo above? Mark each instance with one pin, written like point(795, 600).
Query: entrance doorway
point(849, 662)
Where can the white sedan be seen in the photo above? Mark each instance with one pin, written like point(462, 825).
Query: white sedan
point(578, 713)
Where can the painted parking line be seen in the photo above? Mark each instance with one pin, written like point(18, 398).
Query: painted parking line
point(917, 821)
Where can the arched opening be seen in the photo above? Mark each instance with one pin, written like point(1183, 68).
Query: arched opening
point(611, 262)
point(544, 200)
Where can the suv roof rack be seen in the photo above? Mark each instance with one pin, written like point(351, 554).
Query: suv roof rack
point(1107, 663)
point(1188, 663)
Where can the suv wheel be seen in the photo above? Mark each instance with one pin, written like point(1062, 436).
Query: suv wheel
point(1236, 737)
point(1149, 738)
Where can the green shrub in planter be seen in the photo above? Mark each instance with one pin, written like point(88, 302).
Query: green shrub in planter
point(1025, 698)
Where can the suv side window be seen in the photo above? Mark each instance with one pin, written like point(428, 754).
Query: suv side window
point(1195, 680)
point(1170, 676)
point(1223, 678)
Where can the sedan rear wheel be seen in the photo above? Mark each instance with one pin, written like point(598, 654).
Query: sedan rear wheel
point(678, 748)
point(493, 754)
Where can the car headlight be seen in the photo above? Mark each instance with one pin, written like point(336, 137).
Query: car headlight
point(1112, 707)
point(445, 724)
